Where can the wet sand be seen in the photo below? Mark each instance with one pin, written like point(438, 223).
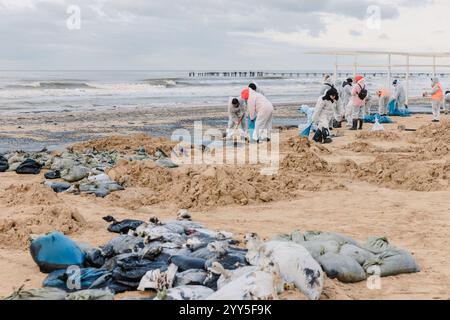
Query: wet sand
point(414, 220)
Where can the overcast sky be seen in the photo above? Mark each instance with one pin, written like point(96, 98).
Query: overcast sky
point(211, 34)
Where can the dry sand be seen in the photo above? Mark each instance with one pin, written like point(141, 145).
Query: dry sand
point(394, 184)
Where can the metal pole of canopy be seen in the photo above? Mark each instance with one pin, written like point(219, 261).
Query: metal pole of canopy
point(355, 67)
point(389, 72)
point(434, 66)
point(335, 68)
point(407, 80)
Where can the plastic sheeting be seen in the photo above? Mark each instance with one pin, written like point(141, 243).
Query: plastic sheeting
point(394, 111)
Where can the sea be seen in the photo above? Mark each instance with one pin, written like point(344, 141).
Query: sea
point(54, 91)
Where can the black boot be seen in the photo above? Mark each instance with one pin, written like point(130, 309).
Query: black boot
point(355, 125)
point(361, 122)
point(318, 136)
point(326, 136)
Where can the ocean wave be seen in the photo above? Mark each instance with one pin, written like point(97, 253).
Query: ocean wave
point(168, 83)
point(51, 85)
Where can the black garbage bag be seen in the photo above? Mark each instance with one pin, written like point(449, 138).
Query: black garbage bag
point(95, 258)
point(230, 261)
point(59, 187)
point(53, 175)
point(29, 166)
point(122, 227)
point(129, 270)
point(185, 263)
point(3, 164)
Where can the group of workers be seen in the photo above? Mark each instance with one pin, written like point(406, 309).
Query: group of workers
point(346, 101)
point(251, 111)
point(350, 101)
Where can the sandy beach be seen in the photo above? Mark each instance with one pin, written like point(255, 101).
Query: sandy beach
point(393, 184)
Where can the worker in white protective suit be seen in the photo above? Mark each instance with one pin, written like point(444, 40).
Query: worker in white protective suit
point(256, 87)
point(325, 110)
point(340, 109)
point(399, 95)
point(447, 102)
point(261, 109)
point(327, 85)
point(368, 105)
point(236, 118)
point(358, 101)
point(437, 98)
point(347, 87)
point(383, 100)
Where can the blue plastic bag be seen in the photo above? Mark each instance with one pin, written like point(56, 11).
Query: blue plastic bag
point(381, 119)
point(251, 127)
point(55, 251)
point(395, 112)
point(306, 132)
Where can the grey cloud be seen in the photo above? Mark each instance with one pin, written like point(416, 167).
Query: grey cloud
point(177, 33)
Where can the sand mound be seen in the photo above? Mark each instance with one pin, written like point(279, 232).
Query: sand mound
point(126, 144)
point(305, 162)
point(302, 158)
point(435, 130)
point(347, 166)
point(361, 147)
point(378, 135)
point(403, 173)
point(15, 232)
point(298, 144)
point(198, 187)
point(31, 194)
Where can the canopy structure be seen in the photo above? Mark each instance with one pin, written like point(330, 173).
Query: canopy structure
point(389, 66)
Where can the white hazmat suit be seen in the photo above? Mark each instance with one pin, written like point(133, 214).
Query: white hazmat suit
point(261, 108)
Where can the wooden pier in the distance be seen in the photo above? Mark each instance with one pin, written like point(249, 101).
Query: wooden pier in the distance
point(266, 74)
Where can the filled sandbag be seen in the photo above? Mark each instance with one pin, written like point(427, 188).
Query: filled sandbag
point(29, 166)
point(256, 285)
point(75, 174)
point(51, 175)
point(185, 293)
point(359, 254)
point(318, 248)
point(296, 265)
point(55, 251)
point(4, 165)
point(377, 245)
point(392, 262)
point(328, 236)
point(58, 187)
point(297, 237)
point(92, 295)
point(52, 294)
point(343, 268)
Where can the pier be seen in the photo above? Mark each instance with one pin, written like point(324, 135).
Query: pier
point(289, 75)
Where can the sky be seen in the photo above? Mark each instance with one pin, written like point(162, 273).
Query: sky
point(211, 34)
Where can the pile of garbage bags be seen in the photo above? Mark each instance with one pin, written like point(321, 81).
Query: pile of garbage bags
point(182, 260)
point(77, 172)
